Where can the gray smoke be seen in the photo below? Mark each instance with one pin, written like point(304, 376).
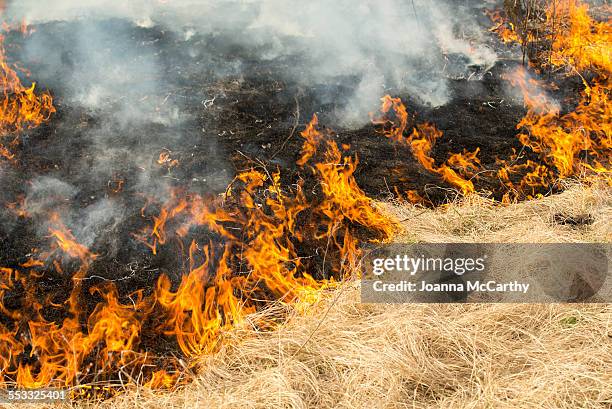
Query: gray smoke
point(388, 44)
point(96, 58)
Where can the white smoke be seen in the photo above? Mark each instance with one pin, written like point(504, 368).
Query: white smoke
point(101, 56)
point(387, 44)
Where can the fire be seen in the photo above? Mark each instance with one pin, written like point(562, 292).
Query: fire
point(505, 29)
point(566, 143)
point(556, 144)
point(312, 139)
point(345, 200)
point(584, 43)
point(21, 108)
point(66, 242)
point(254, 243)
point(197, 313)
point(574, 39)
point(560, 139)
point(421, 142)
point(166, 160)
point(59, 348)
point(6, 154)
point(263, 241)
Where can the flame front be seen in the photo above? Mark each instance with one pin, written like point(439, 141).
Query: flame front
point(242, 249)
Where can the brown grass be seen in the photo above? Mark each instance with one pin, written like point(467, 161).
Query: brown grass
point(476, 219)
point(344, 354)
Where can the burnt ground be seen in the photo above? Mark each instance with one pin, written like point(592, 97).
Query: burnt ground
point(236, 120)
point(246, 115)
point(241, 119)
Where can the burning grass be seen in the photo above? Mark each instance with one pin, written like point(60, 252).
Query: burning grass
point(556, 144)
point(242, 249)
point(21, 108)
point(502, 356)
point(225, 259)
point(340, 353)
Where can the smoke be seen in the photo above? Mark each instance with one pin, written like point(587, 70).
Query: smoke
point(133, 66)
point(388, 44)
point(525, 88)
point(46, 194)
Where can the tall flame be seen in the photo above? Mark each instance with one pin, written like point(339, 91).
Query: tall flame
point(243, 248)
point(583, 43)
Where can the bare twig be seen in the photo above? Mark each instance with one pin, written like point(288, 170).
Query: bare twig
point(295, 125)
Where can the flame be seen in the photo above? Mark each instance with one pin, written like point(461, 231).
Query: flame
point(567, 144)
point(5, 153)
point(502, 27)
point(466, 162)
point(312, 139)
point(60, 348)
point(259, 244)
point(572, 143)
point(421, 142)
point(20, 107)
point(166, 160)
point(577, 42)
point(556, 144)
point(561, 139)
point(584, 43)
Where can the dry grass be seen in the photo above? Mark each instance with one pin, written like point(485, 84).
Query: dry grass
point(344, 354)
point(376, 356)
point(476, 219)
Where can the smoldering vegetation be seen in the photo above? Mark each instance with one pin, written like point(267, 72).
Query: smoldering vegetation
point(134, 80)
point(410, 45)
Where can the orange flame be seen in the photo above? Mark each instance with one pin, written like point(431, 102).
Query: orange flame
point(20, 107)
point(560, 139)
point(252, 255)
point(584, 43)
point(166, 160)
point(505, 29)
point(421, 141)
point(578, 141)
point(247, 248)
